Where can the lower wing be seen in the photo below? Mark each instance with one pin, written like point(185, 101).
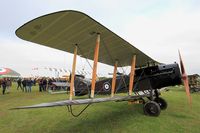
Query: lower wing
point(82, 101)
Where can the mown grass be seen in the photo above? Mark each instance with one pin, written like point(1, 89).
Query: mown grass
point(108, 117)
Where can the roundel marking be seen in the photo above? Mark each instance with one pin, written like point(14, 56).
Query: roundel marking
point(4, 70)
point(106, 86)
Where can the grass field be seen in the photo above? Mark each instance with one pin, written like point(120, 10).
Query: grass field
point(98, 118)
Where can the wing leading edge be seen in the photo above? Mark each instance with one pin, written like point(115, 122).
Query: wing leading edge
point(81, 101)
point(62, 30)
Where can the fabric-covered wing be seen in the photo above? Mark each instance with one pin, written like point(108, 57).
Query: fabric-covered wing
point(81, 101)
point(62, 30)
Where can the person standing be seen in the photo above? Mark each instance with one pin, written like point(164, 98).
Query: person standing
point(44, 84)
point(40, 85)
point(3, 83)
point(29, 84)
point(24, 85)
point(50, 84)
point(19, 84)
point(8, 84)
point(34, 81)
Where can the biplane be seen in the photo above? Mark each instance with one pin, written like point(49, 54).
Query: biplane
point(79, 34)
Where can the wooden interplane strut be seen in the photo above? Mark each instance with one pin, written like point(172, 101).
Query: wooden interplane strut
point(132, 73)
point(73, 73)
point(114, 79)
point(94, 72)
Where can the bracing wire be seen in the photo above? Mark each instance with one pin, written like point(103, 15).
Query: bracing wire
point(70, 109)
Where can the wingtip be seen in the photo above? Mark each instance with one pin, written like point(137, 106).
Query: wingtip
point(16, 108)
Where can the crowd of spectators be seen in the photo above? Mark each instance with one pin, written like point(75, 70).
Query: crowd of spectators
point(25, 84)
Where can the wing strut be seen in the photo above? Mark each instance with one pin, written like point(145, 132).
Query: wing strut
point(131, 80)
point(73, 73)
point(114, 79)
point(96, 55)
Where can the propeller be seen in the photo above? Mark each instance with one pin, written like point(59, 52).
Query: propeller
point(185, 80)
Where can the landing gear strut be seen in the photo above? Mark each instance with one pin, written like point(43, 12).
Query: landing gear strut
point(162, 103)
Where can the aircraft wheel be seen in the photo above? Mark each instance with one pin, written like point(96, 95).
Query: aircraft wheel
point(161, 102)
point(151, 108)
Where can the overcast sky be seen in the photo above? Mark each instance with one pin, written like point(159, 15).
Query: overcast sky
point(157, 27)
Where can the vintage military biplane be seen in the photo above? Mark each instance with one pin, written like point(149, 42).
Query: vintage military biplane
point(77, 33)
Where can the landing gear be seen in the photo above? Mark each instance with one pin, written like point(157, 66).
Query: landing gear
point(151, 108)
point(155, 104)
point(161, 102)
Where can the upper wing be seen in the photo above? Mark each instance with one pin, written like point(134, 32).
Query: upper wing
point(62, 30)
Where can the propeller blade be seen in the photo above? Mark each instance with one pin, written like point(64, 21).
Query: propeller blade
point(185, 80)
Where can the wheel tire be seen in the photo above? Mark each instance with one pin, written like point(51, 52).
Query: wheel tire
point(151, 108)
point(161, 102)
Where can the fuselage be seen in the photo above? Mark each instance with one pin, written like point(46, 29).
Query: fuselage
point(146, 78)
